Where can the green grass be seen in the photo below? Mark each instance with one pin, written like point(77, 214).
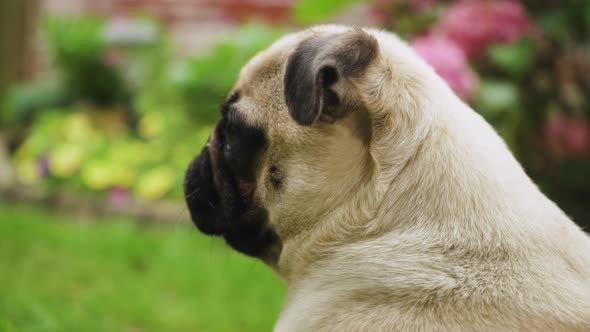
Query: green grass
point(62, 274)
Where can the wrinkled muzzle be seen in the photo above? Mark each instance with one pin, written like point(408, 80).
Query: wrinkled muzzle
point(218, 204)
point(201, 196)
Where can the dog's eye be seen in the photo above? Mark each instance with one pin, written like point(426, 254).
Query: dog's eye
point(275, 177)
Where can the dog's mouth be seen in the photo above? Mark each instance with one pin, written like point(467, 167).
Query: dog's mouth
point(219, 205)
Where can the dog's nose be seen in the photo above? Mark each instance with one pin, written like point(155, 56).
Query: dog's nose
point(201, 195)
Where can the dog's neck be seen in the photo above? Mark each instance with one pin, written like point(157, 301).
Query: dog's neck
point(403, 132)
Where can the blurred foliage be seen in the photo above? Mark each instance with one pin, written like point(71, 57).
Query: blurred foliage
point(515, 59)
point(79, 51)
point(205, 81)
point(136, 149)
point(525, 66)
point(95, 151)
point(553, 135)
point(394, 16)
point(24, 100)
point(313, 12)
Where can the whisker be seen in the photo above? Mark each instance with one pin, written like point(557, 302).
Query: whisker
point(180, 215)
point(192, 193)
point(184, 211)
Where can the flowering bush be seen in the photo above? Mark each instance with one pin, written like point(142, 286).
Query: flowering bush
point(524, 65)
point(79, 50)
point(474, 25)
point(449, 61)
point(96, 152)
point(94, 146)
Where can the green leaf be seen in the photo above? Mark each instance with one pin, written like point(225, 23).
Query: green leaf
point(554, 23)
point(314, 11)
point(25, 100)
point(516, 59)
point(497, 96)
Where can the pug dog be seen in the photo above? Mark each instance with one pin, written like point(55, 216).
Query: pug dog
point(345, 163)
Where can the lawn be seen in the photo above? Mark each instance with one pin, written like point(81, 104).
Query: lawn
point(62, 273)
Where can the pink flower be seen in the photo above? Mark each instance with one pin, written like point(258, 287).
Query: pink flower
point(567, 136)
point(475, 24)
point(43, 165)
point(576, 138)
point(119, 196)
point(449, 61)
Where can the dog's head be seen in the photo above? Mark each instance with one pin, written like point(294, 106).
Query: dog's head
point(291, 145)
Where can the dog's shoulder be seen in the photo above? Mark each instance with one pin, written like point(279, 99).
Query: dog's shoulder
point(415, 281)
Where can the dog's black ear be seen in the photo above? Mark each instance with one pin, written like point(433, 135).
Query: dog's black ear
point(316, 65)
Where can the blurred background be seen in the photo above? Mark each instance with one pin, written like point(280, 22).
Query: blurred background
point(104, 102)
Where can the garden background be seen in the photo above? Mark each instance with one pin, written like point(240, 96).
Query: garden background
point(104, 102)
